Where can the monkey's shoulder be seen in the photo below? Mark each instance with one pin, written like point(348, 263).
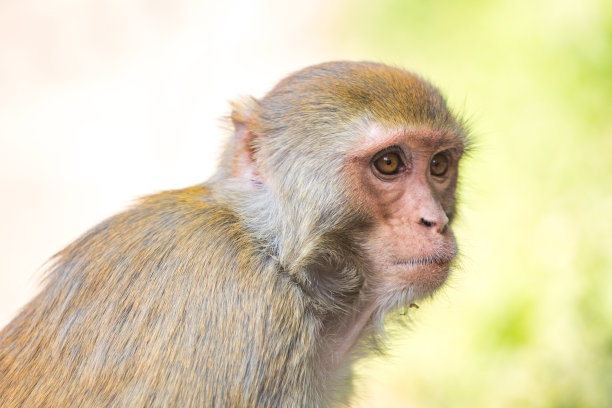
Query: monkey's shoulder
point(168, 232)
point(168, 216)
point(190, 205)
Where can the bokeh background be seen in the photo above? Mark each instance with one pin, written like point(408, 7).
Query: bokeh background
point(103, 101)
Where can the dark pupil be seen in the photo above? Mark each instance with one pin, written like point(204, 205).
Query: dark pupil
point(388, 163)
point(439, 165)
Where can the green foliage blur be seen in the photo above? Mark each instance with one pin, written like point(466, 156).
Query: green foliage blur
point(526, 321)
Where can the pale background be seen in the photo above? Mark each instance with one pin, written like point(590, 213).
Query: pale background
point(103, 101)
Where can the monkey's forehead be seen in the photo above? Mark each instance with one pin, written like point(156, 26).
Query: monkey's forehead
point(376, 137)
point(344, 90)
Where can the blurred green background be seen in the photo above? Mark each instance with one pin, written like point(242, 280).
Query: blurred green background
point(527, 319)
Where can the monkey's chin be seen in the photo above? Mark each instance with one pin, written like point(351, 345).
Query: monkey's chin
point(421, 276)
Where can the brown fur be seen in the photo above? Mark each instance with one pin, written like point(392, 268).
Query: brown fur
point(254, 288)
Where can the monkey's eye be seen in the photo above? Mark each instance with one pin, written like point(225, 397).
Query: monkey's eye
point(388, 163)
point(439, 164)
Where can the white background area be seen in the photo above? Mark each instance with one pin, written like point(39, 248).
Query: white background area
point(104, 101)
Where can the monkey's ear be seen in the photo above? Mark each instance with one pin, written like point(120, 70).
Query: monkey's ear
point(244, 164)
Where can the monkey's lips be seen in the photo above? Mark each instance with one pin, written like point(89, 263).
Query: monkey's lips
point(422, 275)
point(439, 256)
point(426, 261)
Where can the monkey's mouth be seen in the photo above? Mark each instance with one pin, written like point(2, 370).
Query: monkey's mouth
point(423, 275)
point(430, 260)
point(442, 256)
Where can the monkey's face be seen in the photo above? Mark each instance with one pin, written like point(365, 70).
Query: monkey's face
point(406, 180)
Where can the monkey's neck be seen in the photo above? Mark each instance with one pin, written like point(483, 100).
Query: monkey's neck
point(346, 335)
point(356, 328)
point(322, 260)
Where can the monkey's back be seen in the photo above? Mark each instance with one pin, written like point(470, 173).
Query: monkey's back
point(162, 305)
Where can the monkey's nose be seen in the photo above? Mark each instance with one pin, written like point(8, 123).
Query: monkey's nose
point(437, 223)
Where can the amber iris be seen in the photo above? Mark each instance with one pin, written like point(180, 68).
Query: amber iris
point(388, 163)
point(439, 164)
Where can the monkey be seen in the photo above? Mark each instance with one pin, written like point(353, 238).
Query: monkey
point(331, 207)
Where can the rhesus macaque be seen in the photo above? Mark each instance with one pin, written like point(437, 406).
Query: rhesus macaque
point(331, 207)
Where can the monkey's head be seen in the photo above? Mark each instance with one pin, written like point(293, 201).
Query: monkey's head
point(358, 147)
